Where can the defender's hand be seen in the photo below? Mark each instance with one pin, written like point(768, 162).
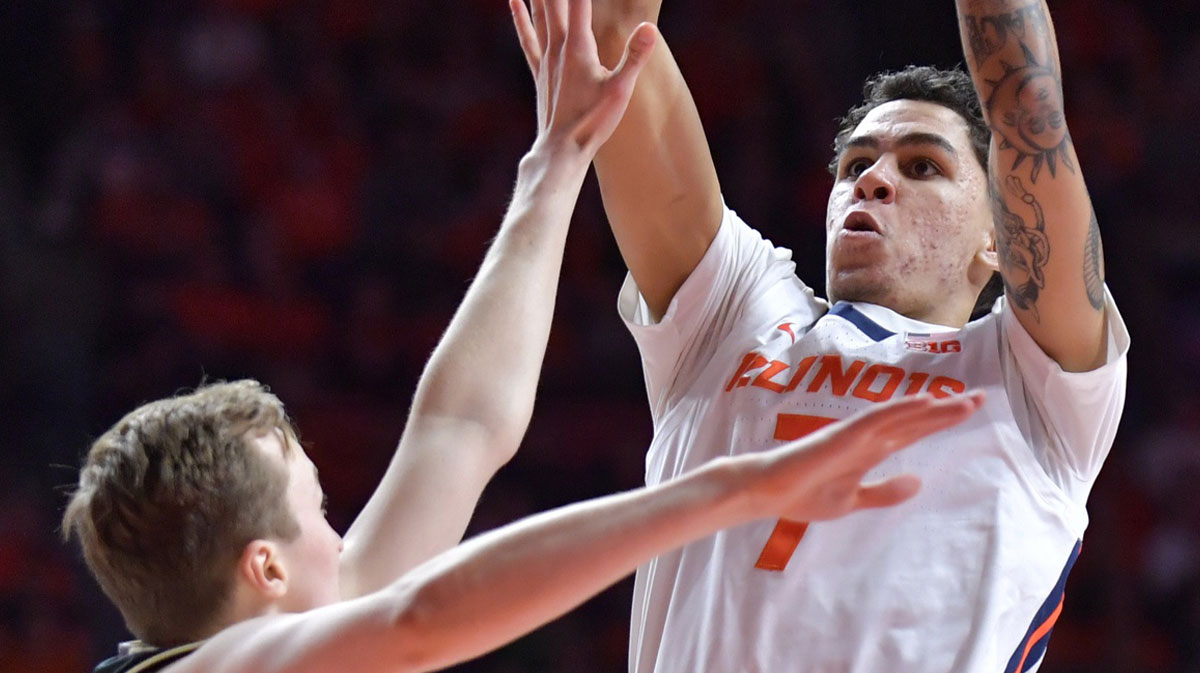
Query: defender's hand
point(820, 476)
point(580, 101)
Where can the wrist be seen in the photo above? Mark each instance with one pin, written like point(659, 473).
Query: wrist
point(553, 165)
point(735, 479)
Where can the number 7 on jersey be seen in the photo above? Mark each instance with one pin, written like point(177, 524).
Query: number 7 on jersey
point(787, 534)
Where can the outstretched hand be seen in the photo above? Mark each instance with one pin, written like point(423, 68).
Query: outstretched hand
point(579, 100)
point(820, 476)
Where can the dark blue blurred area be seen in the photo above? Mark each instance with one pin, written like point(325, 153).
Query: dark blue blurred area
point(299, 191)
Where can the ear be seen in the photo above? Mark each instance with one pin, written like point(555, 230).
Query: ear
point(986, 260)
point(262, 569)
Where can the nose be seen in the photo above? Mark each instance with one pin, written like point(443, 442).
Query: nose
point(875, 184)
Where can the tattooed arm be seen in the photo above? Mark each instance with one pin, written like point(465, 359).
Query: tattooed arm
point(1046, 232)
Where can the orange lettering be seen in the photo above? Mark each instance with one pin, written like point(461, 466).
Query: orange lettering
point(951, 347)
point(831, 369)
point(943, 387)
point(764, 379)
point(751, 361)
point(916, 381)
point(841, 379)
point(863, 389)
point(801, 370)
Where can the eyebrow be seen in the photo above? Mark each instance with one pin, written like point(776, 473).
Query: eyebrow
point(906, 140)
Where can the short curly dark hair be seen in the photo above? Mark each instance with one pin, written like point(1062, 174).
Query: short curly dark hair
point(949, 88)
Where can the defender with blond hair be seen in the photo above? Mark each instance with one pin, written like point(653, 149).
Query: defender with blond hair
point(171, 495)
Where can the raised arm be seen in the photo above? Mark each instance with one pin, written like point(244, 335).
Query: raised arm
point(474, 400)
point(497, 587)
point(1046, 231)
point(656, 173)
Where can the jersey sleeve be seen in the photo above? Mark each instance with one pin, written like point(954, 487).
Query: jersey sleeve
point(1070, 418)
point(741, 283)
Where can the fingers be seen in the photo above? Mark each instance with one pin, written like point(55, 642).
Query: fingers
point(579, 19)
point(540, 26)
point(637, 54)
point(875, 418)
point(918, 421)
point(556, 23)
point(887, 493)
point(526, 34)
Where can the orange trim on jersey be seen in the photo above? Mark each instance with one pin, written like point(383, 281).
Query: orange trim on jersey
point(1041, 632)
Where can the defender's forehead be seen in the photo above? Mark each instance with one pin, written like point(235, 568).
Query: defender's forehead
point(893, 120)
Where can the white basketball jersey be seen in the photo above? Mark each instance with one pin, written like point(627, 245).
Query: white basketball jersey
point(968, 576)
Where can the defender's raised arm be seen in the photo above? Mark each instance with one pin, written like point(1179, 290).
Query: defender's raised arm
point(1046, 231)
point(475, 398)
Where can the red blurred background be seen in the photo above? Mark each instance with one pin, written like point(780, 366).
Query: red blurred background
point(299, 191)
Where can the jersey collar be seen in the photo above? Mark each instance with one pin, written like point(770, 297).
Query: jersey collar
point(879, 323)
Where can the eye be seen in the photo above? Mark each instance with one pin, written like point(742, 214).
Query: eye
point(924, 168)
point(855, 167)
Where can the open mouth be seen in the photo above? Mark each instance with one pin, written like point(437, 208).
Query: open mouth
point(859, 222)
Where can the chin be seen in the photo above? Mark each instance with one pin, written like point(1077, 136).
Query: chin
point(874, 290)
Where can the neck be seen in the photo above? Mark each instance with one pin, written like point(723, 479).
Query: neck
point(949, 313)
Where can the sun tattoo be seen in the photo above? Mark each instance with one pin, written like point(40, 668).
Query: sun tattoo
point(1032, 123)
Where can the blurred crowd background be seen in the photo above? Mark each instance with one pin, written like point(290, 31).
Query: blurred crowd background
point(300, 190)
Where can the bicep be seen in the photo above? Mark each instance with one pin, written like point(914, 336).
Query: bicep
point(658, 182)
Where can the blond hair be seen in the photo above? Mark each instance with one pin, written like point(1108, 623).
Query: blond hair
point(169, 497)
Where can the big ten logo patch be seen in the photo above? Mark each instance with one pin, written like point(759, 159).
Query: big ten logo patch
point(932, 343)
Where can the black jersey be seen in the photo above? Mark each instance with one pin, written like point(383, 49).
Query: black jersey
point(137, 657)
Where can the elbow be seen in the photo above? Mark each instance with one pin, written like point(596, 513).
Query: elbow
point(504, 444)
point(501, 432)
point(411, 623)
point(428, 622)
point(487, 441)
point(492, 443)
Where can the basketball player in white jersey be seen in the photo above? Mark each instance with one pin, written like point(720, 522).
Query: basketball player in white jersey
point(203, 519)
point(933, 195)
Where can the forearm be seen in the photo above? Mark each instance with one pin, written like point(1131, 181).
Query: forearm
point(1047, 237)
point(486, 367)
point(476, 395)
point(475, 398)
point(656, 173)
point(494, 588)
point(998, 32)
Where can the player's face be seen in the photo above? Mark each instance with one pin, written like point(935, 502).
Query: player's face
point(312, 558)
point(909, 220)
